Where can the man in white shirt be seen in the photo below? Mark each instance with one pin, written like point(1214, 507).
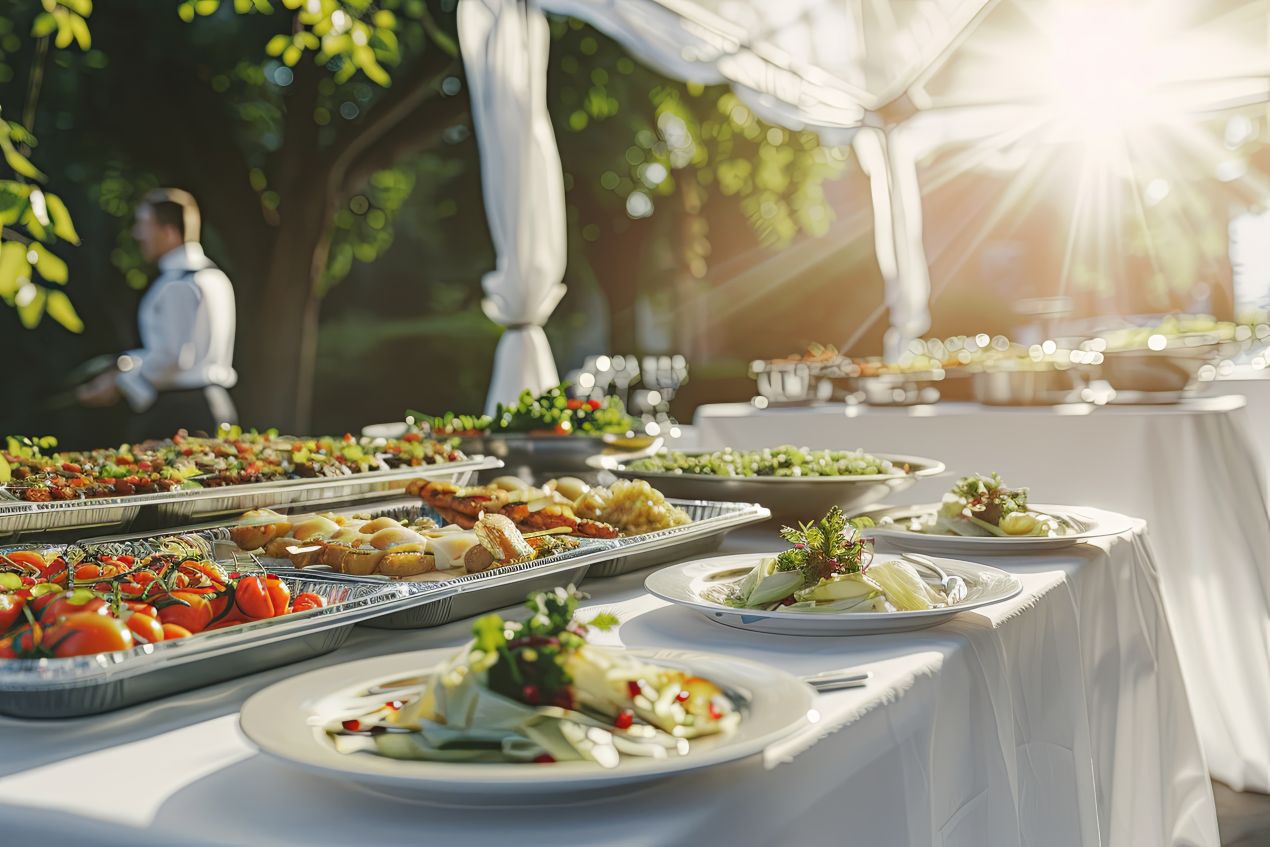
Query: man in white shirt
point(179, 377)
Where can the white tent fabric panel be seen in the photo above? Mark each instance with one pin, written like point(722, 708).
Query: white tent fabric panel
point(505, 47)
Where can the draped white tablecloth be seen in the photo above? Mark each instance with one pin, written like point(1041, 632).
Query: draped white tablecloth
point(1057, 718)
point(1190, 470)
point(1253, 384)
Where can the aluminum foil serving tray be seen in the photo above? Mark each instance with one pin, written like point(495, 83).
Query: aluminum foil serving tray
point(711, 521)
point(166, 509)
point(87, 685)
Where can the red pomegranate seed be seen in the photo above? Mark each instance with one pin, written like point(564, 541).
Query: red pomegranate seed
point(682, 696)
point(544, 758)
point(634, 688)
point(351, 725)
point(393, 704)
point(624, 719)
point(530, 694)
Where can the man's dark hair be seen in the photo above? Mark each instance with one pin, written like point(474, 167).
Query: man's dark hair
point(174, 207)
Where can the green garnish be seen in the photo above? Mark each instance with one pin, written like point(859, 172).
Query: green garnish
point(552, 410)
point(830, 546)
point(777, 461)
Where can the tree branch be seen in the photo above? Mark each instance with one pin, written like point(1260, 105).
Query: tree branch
point(398, 103)
point(418, 132)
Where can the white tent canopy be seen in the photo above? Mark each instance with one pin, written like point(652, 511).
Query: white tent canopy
point(855, 71)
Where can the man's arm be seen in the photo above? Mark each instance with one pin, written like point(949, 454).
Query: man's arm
point(153, 368)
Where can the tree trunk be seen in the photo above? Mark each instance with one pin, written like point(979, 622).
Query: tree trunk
point(278, 330)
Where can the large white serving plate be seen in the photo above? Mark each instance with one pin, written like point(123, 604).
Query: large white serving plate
point(684, 584)
point(1088, 525)
point(785, 496)
point(285, 720)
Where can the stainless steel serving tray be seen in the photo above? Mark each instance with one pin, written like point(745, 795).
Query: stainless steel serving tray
point(161, 509)
point(711, 521)
point(87, 685)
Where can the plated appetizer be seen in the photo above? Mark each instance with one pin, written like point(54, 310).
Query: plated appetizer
point(417, 550)
point(30, 472)
point(785, 461)
point(627, 507)
point(101, 603)
point(535, 692)
point(983, 506)
point(551, 413)
point(830, 568)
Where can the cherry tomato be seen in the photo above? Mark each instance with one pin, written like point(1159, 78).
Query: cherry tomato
point(143, 608)
point(253, 598)
point(173, 631)
point(145, 629)
point(27, 557)
point(279, 593)
point(191, 611)
point(86, 633)
point(10, 610)
point(71, 603)
point(24, 643)
point(86, 573)
point(307, 600)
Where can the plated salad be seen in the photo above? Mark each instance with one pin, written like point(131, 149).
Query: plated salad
point(983, 506)
point(785, 461)
point(535, 692)
point(828, 568)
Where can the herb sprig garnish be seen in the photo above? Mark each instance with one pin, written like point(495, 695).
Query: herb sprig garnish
point(827, 547)
point(988, 498)
point(526, 660)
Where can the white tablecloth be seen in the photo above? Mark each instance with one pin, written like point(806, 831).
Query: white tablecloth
point(1057, 718)
point(1190, 470)
point(1253, 384)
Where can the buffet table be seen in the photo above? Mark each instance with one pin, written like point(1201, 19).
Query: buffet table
point(1056, 718)
point(1253, 384)
point(1189, 469)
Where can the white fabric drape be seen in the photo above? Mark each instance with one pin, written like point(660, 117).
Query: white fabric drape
point(505, 44)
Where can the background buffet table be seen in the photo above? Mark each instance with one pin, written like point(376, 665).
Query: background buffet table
point(1057, 718)
point(1190, 469)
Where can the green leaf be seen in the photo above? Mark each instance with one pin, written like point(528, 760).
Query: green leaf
point(63, 226)
point(20, 164)
point(79, 27)
point(604, 621)
point(60, 309)
point(80, 7)
point(50, 266)
point(376, 73)
point(277, 44)
point(384, 19)
point(13, 267)
point(65, 36)
point(31, 311)
point(44, 25)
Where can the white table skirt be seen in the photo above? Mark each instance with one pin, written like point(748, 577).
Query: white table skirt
point(1057, 718)
point(1190, 470)
point(1253, 384)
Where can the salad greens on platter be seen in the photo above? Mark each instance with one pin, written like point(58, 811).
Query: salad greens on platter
point(981, 506)
point(829, 568)
point(536, 691)
point(553, 412)
point(785, 461)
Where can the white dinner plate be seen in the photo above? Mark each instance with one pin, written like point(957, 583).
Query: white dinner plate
point(285, 722)
point(1087, 526)
point(687, 584)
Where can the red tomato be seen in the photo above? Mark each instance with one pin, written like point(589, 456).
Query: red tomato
point(144, 628)
point(86, 573)
point(253, 598)
point(10, 610)
point(279, 593)
point(86, 633)
point(23, 643)
point(71, 603)
point(27, 557)
point(172, 631)
point(192, 611)
point(307, 600)
point(143, 608)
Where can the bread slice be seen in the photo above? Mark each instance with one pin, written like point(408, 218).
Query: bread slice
point(360, 561)
point(408, 563)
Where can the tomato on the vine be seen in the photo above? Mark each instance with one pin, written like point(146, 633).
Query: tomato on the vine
point(253, 598)
point(71, 603)
point(86, 633)
point(144, 628)
point(307, 600)
point(191, 611)
point(173, 631)
point(10, 610)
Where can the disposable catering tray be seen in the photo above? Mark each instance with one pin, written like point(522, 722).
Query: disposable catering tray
point(711, 521)
point(160, 509)
point(87, 685)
